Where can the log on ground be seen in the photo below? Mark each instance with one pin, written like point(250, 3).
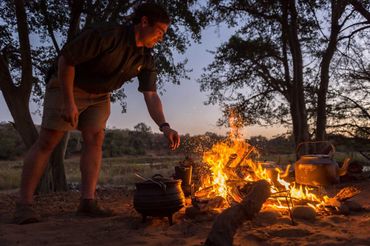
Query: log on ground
point(227, 223)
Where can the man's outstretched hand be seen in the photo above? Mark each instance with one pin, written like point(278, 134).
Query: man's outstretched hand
point(172, 137)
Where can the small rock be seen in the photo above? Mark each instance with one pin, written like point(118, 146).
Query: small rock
point(353, 206)
point(267, 217)
point(304, 212)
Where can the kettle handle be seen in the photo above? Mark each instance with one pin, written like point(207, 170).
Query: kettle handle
point(314, 142)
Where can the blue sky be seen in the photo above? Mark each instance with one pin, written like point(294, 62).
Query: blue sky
point(183, 104)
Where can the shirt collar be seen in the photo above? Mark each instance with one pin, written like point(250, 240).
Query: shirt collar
point(132, 41)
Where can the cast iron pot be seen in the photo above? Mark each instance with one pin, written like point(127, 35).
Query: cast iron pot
point(318, 169)
point(159, 197)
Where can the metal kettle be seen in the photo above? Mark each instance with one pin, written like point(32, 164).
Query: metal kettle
point(318, 169)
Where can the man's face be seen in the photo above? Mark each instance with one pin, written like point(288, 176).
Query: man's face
point(150, 35)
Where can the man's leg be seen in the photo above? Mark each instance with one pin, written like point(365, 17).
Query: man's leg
point(33, 167)
point(90, 161)
point(92, 122)
point(36, 161)
point(90, 167)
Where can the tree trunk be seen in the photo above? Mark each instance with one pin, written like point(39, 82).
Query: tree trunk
point(297, 99)
point(21, 115)
point(54, 178)
point(57, 160)
point(296, 120)
point(74, 23)
point(337, 10)
point(17, 97)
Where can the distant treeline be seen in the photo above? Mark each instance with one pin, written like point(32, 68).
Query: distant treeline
point(142, 141)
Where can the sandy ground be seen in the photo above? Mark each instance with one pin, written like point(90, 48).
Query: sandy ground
point(60, 225)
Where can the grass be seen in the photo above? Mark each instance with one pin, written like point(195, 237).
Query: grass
point(10, 174)
point(115, 171)
point(121, 171)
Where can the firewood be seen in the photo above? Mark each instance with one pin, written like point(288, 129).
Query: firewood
point(217, 202)
point(231, 219)
point(204, 192)
point(347, 193)
point(246, 154)
point(333, 202)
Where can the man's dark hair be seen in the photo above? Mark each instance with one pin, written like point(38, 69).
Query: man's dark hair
point(153, 11)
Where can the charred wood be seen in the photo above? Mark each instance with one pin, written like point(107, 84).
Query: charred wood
point(227, 223)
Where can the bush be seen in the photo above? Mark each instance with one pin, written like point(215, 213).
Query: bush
point(11, 145)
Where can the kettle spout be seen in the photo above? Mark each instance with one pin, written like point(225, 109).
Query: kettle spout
point(343, 170)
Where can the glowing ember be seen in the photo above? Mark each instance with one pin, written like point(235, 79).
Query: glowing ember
point(232, 162)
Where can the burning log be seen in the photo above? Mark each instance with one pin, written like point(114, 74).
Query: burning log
point(340, 204)
point(204, 192)
point(246, 154)
point(347, 193)
point(231, 219)
point(343, 195)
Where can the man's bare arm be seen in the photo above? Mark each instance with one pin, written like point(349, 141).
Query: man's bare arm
point(66, 74)
point(154, 105)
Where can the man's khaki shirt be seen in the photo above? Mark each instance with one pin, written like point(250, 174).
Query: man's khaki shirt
point(105, 57)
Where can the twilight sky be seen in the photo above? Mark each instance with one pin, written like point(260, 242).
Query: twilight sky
point(183, 104)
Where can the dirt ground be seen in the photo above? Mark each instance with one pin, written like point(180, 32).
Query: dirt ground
point(60, 225)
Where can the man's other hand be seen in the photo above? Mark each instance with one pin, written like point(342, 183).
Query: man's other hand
point(70, 114)
point(172, 137)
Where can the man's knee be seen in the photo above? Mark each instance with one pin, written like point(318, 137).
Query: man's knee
point(48, 139)
point(93, 138)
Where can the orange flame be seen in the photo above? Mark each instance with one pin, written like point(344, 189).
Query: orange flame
point(227, 160)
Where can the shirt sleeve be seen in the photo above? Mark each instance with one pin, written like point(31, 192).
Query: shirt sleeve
point(148, 77)
point(87, 45)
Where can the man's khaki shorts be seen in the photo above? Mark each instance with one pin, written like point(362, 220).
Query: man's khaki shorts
point(93, 109)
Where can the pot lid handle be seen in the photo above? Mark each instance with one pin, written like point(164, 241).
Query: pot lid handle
point(162, 185)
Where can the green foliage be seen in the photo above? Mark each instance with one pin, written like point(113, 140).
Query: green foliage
point(125, 142)
point(273, 146)
point(142, 128)
point(115, 143)
point(50, 26)
point(271, 58)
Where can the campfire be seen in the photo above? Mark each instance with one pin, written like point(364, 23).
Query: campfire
point(229, 166)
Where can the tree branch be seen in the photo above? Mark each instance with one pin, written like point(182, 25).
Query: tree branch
point(360, 8)
point(6, 83)
point(74, 23)
point(363, 110)
point(47, 23)
point(353, 33)
point(25, 48)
